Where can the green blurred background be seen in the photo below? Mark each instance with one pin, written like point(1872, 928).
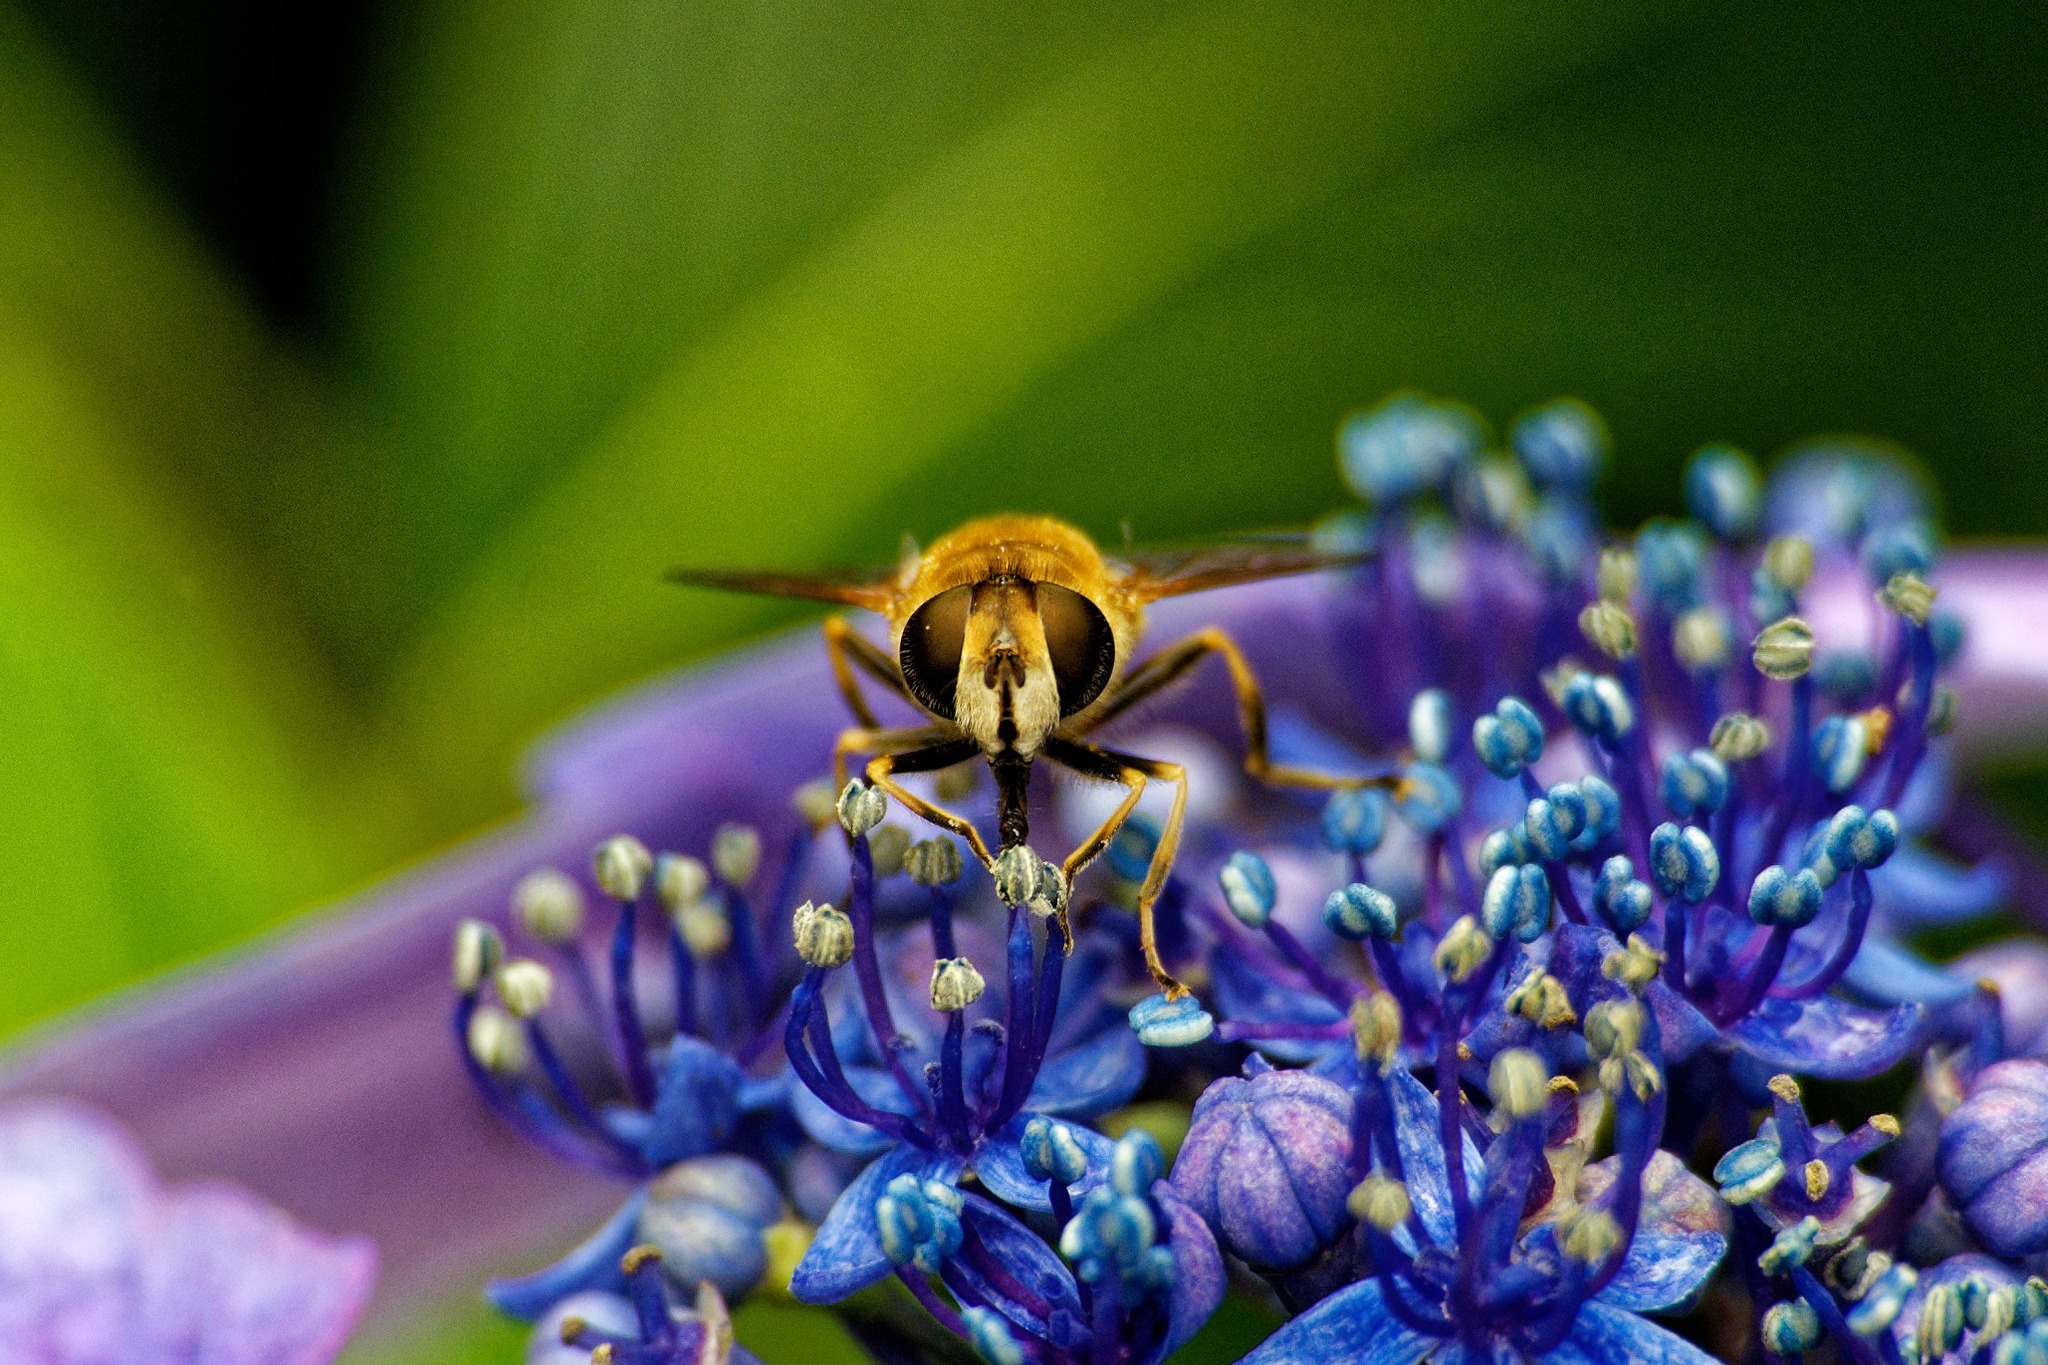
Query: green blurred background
point(362, 365)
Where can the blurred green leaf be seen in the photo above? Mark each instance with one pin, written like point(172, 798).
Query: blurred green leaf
point(1096, 192)
point(182, 772)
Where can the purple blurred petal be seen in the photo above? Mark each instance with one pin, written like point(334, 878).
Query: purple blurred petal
point(592, 1266)
point(98, 1264)
point(2019, 968)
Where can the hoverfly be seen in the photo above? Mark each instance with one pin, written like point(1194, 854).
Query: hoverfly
point(1014, 635)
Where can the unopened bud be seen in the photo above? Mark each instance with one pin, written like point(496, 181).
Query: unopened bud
point(1739, 737)
point(1020, 875)
point(680, 881)
point(1702, 639)
point(815, 803)
point(621, 865)
point(1784, 649)
point(1615, 578)
point(736, 853)
point(1608, 628)
point(1380, 1203)
point(549, 905)
point(887, 846)
point(497, 1042)
point(955, 984)
point(861, 807)
point(1908, 594)
point(525, 986)
point(1464, 949)
point(824, 936)
point(478, 951)
point(1789, 562)
point(1376, 1027)
point(934, 862)
point(1519, 1083)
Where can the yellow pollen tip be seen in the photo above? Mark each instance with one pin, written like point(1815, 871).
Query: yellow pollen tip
point(1816, 1178)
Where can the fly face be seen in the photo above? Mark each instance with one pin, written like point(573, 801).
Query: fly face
point(1007, 660)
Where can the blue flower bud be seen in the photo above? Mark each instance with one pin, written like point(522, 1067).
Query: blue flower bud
point(1881, 1303)
point(1724, 490)
point(1839, 751)
point(1684, 862)
point(1902, 547)
point(1693, 784)
point(707, 1216)
point(1504, 848)
point(1598, 707)
point(1622, 901)
point(1791, 1327)
point(1135, 1163)
point(1517, 901)
point(1778, 897)
point(1510, 739)
point(1405, 446)
point(1160, 1022)
point(1360, 912)
point(1431, 798)
point(1750, 1170)
point(918, 1222)
point(1109, 1234)
point(1554, 820)
point(1770, 600)
point(1603, 813)
point(1355, 820)
point(1248, 888)
point(1429, 724)
point(988, 1332)
point(1266, 1163)
point(1562, 444)
point(1671, 558)
point(1051, 1151)
point(1559, 534)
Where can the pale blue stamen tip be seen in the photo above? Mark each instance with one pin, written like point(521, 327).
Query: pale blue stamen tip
point(1510, 739)
point(1622, 899)
point(1248, 888)
point(1359, 912)
point(990, 1336)
point(1160, 1022)
point(1051, 1151)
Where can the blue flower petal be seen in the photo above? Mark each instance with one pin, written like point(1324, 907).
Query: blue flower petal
point(1916, 888)
point(999, 1163)
point(1198, 1275)
point(1033, 1264)
point(593, 1265)
point(1680, 1236)
point(1353, 1324)
point(1603, 1335)
point(846, 1256)
point(1887, 974)
point(1091, 1077)
point(696, 1102)
point(828, 1126)
point(1244, 992)
point(1422, 1159)
point(1681, 1027)
point(1827, 1038)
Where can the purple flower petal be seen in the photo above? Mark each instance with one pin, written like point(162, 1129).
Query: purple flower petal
point(1353, 1324)
point(1033, 1264)
point(1264, 1163)
point(97, 1263)
point(593, 1265)
point(1093, 1076)
point(1198, 1282)
point(1603, 1335)
point(1828, 1038)
point(1680, 1234)
point(999, 1165)
point(846, 1255)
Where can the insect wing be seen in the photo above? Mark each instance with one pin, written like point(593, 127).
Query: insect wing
point(869, 588)
point(1175, 571)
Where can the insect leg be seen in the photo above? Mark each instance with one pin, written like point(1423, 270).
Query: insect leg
point(882, 770)
point(1133, 772)
point(1174, 662)
point(874, 740)
point(847, 647)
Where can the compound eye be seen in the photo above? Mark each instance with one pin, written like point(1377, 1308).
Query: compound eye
point(1082, 646)
point(930, 654)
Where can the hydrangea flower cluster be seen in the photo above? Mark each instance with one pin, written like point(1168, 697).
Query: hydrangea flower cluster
point(1495, 1067)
